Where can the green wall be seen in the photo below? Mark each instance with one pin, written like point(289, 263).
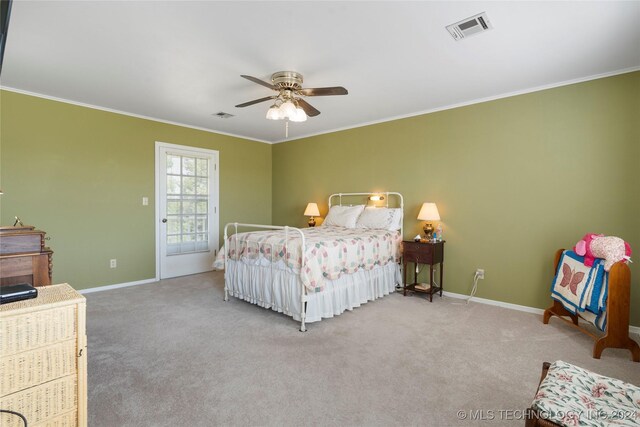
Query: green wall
point(514, 180)
point(80, 174)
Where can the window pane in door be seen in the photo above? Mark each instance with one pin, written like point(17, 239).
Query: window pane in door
point(202, 186)
point(202, 206)
point(201, 224)
point(203, 242)
point(187, 204)
point(188, 166)
point(173, 244)
point(203, 167)
point(173, 224)
point(173, 165)
point(188, 243)
point(173, 184)
point(188, 185)
point(188, 224)
point(173, 207)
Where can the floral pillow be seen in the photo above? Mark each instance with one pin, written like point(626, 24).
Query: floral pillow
point(570, 396)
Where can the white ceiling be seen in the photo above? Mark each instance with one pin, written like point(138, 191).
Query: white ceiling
point(181, 61)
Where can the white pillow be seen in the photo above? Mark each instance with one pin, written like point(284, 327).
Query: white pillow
point(396, 223)
point(343, 216)
point(380, 218)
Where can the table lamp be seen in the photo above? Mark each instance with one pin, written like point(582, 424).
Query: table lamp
point(312, 210)
point(429, 212)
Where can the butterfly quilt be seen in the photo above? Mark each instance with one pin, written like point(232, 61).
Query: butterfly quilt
point(581, 289)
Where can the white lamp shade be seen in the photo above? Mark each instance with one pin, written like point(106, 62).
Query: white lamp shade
point(429, 212)
point(288, 109)
point(312, 210)
point(299, 116)
point(273, 113)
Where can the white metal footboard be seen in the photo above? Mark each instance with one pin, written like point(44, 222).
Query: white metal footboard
point(287, 230)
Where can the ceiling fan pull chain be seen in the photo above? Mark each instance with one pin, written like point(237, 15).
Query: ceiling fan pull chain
point(286, 129)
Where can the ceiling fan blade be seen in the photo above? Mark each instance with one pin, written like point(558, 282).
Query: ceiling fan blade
point(260, 82)
point(256, 101)
point(308, 108)
point(323, 91)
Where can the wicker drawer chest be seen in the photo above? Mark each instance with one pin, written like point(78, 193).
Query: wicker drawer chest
point(43, 359)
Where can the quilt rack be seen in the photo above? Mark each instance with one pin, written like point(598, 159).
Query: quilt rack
point(616, 334)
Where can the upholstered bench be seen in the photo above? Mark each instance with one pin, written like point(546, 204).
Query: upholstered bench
point(571, 396)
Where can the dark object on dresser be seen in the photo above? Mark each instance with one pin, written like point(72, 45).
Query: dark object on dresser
point(13, 293)
point(24, 257)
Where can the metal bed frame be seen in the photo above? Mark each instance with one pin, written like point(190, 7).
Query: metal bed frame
point(294, 231)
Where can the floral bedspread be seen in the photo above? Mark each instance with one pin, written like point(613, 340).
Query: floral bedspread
point(329, 251)
point(572, 396)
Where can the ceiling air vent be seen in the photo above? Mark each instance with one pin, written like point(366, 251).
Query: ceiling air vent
point(470, 26)
point(223, 115)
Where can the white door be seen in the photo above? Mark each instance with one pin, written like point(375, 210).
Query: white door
point(187, 209)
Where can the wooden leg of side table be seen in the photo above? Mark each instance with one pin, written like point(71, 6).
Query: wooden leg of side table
point(441, 281)
point(404, 285)
point(430, 282)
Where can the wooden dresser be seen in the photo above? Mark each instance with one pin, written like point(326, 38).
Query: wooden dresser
point(24, 257)
point(43, 359)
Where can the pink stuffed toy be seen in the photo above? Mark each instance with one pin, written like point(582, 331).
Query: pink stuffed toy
point(610, 248)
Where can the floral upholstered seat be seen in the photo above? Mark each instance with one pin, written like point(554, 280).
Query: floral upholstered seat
point(572, 396)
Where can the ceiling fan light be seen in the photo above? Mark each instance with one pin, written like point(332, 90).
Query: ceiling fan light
point(273, 113)
point(299, 116)
point(288, 109)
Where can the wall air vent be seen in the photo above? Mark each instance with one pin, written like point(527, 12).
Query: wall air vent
point(223, 115)
point(470, 26)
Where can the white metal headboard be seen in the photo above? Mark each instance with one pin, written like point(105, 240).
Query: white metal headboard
point(379, 193)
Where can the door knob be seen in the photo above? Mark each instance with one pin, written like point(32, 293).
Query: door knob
point(164, 219)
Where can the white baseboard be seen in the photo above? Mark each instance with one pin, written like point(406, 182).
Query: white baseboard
point(496, 303)
point(116, 286)
point(632, 329)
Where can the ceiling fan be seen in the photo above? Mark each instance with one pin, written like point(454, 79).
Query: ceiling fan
point(288, 103)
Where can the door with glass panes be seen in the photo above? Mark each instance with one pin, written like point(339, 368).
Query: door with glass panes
point(187, 208)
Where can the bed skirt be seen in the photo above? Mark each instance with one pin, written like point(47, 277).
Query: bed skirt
point(279, 289)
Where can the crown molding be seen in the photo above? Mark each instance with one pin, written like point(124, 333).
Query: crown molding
point(472, 102)
point(363, 124)
point(127, 113)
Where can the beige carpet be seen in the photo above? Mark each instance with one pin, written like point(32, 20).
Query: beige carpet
point(174, 354)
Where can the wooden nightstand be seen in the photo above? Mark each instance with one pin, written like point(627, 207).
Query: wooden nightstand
point(423, 253)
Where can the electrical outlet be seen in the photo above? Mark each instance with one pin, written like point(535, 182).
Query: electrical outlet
point(480, 273)
point(113, 263)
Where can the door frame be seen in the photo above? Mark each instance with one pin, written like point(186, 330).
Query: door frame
point(215, 196)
